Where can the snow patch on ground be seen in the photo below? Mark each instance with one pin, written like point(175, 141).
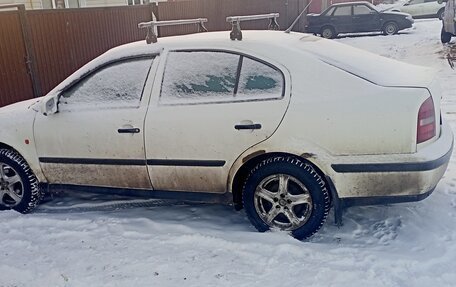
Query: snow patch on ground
point(92, 240)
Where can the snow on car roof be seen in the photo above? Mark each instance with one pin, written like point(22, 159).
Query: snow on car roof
point(300, 49)
point(288, 49)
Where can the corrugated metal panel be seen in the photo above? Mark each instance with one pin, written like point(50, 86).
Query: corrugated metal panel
point(217, 11)
point(65, 40)
point(15, 82)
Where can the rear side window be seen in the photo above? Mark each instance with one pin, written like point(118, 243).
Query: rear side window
point(343, 11)
point(258, 80)
point(119, 84)
point(197, 77)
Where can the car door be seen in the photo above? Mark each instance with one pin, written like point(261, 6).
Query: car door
point(342, 19)
point(97, 136)
point(365, 19)
point(210, 106)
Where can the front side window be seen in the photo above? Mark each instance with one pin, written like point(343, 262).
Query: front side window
point(119, 84)
point(211, 76)
point(330, 11)
point(343, 11)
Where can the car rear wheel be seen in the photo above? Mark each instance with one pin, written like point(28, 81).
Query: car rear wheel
point(445, 37)
point(19, 187)
point(328, 32)
point(390, 28)
point(285, 193)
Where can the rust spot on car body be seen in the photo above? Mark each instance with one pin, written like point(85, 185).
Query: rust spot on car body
point(307, 155)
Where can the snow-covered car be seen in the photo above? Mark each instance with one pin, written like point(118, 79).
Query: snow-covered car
point(448, 21)
point(422, 8)
point(283, 125)
point(356, 17)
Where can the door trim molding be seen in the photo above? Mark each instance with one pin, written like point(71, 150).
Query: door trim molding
point(153, 162)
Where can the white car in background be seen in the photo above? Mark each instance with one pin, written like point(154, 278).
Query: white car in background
point(422, 8)
point(284, 125)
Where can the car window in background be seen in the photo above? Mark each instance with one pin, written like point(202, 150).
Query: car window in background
point(414, 2)
point(361, 10)
point(343, 11)
point(117, 85)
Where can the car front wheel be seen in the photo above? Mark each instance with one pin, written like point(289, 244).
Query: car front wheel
point(285, 193)
point(390, 28)
point(19, 187)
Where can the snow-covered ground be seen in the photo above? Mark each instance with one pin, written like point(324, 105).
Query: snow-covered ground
point(86, 240)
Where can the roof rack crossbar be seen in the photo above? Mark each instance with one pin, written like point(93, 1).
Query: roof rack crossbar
point(151, 36)
point(235, 21)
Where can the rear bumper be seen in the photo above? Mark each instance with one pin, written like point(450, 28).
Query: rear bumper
point(402, 178)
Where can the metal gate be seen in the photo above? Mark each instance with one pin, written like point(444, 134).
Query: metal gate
point(16, 68)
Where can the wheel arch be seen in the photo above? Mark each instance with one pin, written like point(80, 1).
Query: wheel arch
point(440, 12)
point(390, 21)
point(329, 26)
point(32, 164)
point(251, 160)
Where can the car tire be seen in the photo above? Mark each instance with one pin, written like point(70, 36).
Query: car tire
point(328, 32)
point(440, 13)
point(390, 28)
point(286, 193)
point(19, 187)
point(445, 37)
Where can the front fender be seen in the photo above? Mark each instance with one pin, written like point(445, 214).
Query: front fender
point(16, 131)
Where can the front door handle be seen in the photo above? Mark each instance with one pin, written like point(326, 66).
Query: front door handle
point(248, 127)
point(128, 131)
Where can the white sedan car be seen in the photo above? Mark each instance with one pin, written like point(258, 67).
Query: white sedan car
point(422, 8)
point(285, 125)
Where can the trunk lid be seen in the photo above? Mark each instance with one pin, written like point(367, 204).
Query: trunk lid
point(371, 67)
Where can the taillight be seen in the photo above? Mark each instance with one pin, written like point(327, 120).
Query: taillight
point(426, 121)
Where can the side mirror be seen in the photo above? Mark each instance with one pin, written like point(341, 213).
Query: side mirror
point(49, 106)
point(440, 1)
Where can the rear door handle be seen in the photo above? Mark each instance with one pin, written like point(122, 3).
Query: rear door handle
point(248, 127)
point(128, 131)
